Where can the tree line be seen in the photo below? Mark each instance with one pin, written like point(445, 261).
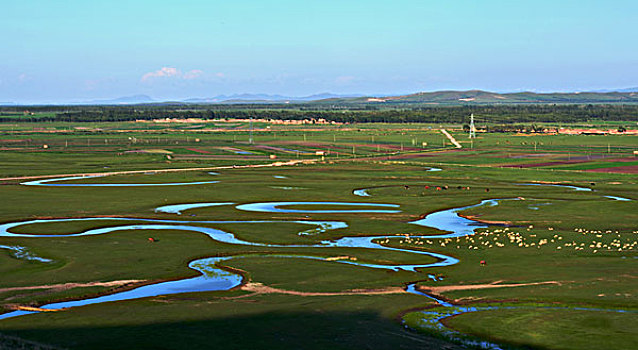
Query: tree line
point(503, 114)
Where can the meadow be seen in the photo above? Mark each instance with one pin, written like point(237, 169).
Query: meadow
point(548, 267)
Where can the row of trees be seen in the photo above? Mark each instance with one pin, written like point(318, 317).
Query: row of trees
point(504, 114)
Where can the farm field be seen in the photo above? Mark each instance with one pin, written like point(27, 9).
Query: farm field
point(380, 236)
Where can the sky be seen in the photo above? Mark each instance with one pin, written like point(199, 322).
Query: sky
point(69, 51)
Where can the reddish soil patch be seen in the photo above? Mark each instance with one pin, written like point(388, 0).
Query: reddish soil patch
point(361, 145)
point(65, 286)
point(383, 146)
point(534, 165)
point(259, 288)
point(402, 156)
point(574, 160)
point(631, 159)
point(437, 290)
point(629, 169)
point(532, 155)
point(490, 222)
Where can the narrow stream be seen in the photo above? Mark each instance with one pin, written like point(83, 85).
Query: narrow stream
point(179, 208)
point(575, 188)
point(23, 253)
point(274, 207)
point(622, 199)
point(431, 319)
point(47, 182)
point(213, 278)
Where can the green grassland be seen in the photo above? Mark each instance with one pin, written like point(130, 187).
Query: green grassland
point(603, 277)
point(544, 328)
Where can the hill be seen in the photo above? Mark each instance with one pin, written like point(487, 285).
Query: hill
point(486, 97)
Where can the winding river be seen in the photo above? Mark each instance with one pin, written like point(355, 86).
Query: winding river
point(275, 207)
point(214, 278)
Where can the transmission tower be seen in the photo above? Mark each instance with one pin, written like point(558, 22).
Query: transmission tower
point(472, 127)
point(250, 139)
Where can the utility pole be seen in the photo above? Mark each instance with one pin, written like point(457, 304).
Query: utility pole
point(250, 138)
point(472, 127)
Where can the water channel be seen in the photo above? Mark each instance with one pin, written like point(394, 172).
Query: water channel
point(214, 278)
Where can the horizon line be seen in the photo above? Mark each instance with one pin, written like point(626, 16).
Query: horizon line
point(298, 98)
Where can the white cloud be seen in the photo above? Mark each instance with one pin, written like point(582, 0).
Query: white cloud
point(164, 72)
point(176, 74)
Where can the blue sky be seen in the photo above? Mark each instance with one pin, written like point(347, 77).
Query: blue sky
point(61, 51)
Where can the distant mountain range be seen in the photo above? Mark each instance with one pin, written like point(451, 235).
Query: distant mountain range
point(127, 100)
point(236, 98)
point(486, 97)
point(632, 89)
point(256, 98)
point(450, 97)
